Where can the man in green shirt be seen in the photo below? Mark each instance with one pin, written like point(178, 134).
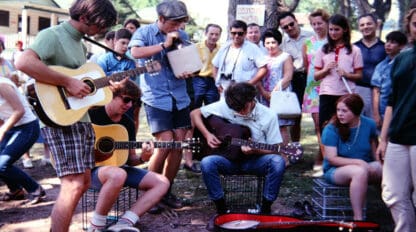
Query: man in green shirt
point(71, 146)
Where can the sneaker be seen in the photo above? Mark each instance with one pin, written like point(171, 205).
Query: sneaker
point(172, 201)
point(27, 163)
point(37, 196)
point(122, 228)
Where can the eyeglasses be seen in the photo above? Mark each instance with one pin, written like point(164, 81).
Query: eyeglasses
point(127, 100)
point(285, 27)
point(239, 33)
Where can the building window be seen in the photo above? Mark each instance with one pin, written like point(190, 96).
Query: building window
point(44, 23)
point(19, 29)
point(4, 18)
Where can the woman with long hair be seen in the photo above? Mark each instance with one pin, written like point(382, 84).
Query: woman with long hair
point(350, 159)
point(338, 65)
point(319, 21)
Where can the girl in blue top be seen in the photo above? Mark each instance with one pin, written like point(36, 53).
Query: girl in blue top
point(350, 143)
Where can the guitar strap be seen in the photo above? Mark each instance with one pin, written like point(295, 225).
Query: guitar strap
point(102, 46)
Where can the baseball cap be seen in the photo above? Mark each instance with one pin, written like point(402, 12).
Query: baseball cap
point(172, 10)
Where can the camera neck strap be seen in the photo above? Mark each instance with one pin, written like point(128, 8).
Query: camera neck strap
point(235, 61)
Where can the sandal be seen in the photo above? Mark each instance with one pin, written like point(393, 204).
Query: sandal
point(13, 196)
point(37, 196)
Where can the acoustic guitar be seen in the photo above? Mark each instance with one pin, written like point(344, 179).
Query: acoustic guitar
point(256, 222)
point(55, 107)
point(112, 145)
point(233, 136)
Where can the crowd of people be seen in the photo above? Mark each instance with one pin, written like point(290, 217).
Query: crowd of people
point(359, 94)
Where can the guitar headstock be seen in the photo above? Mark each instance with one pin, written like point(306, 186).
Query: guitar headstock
point(152, 67)
point(192, 144)
point(293, 151)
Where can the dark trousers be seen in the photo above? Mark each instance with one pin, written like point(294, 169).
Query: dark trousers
point(327, 109)
point(299, 84)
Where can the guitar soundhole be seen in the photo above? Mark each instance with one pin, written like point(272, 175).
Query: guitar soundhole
point(90, 83)
point(106, 145)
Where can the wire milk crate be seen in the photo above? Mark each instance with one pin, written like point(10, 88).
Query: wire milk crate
point(126, 198)
point(332, 201)
point(243, 193)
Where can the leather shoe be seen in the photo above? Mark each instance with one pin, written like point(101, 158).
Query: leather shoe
point(157, 209)
point(194, 168)
point(172, 201)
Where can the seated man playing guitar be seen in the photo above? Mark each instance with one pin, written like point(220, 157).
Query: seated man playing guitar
point(111, 179)
point(240, 107)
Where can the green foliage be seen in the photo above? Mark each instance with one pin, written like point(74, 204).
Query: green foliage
point(306, 6)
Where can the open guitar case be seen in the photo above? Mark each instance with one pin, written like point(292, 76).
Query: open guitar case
point(289, 223)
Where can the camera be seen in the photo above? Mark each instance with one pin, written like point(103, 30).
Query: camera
point(227, 77)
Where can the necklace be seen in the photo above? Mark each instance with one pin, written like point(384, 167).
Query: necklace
point(349, 145)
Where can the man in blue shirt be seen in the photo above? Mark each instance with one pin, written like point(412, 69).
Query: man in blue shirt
point(165, 98)
point(381, 80)
point(372, 50)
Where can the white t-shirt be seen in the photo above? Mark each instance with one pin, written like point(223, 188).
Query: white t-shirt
point(6, 109)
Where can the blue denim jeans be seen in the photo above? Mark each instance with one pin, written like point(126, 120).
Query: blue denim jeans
point(271, 166)
point(15, 143)
point(205, 91)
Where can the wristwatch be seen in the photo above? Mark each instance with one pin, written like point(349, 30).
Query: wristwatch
point(163, 46)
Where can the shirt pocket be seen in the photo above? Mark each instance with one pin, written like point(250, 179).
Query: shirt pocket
point(248, 64)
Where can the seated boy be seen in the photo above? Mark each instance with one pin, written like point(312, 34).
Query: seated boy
point(240, 107)
point(111, 179)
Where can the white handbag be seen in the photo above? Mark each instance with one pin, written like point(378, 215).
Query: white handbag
point(285, 103)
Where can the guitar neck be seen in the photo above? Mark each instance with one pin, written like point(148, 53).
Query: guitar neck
point(329, 223)
point(255, 145)
point(105, 81)
point(138, 145)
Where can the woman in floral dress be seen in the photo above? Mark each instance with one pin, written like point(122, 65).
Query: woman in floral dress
point(279, 74)
point(319, 21)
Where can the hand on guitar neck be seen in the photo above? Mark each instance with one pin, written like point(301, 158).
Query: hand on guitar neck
point(234, 137)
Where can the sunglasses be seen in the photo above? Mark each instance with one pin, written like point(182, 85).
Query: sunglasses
point(285, 27)
point(239, 33)
point(127, 100)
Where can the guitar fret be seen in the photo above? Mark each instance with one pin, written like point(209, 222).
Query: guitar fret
point(263, 146)
point(105, 81)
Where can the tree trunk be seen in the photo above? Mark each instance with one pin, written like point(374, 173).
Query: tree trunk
point(273, 9)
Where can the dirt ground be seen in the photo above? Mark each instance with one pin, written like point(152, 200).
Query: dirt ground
point(20, 217)
point(296, 186)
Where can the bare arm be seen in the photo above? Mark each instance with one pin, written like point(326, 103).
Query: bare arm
point(259, 75)
point(30, 64)
point(287, 74)
point(331, 154)
point(197, 121)
point(376, 109)
point(144, 52)
point(305, 58)
point(9, 94)
point(320, 74)
point(381, 149)
point(354, 76)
